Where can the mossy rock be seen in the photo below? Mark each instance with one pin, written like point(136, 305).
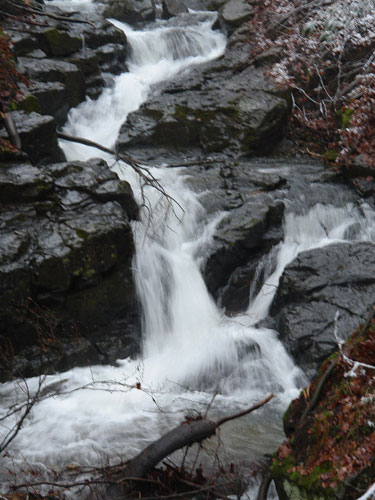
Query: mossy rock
point(58, 43)
point(30, 104)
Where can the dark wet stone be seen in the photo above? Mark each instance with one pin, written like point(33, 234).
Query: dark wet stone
point(66, 243)
point(56, 43)
point(130, 11)
point(173, 8)
point(240, 239)
point(38, 136)
point(313, 288)
point(52, 98)
point(53, 70)
point(239, 115)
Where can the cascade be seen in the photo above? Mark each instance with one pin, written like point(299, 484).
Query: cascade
point(190, 349)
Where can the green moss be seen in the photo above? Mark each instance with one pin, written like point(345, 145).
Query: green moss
point(30, 104)
point(82, 234)
point(60, 43)
point(311, 483)
point(344, 116)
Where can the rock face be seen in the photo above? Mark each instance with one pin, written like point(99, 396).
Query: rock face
point(62, 69)
point(314, 287)
point(38, 136)
point(222, 112)
point(173, 8)
point(130, 11)
point(67, 247)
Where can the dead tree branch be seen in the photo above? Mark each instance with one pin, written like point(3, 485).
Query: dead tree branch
point(139, 168)
point(184, 435)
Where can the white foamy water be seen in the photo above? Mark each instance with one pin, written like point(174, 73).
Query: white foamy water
point(190, 349)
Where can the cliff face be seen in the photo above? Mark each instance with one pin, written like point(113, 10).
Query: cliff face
point(330, 448)
point(67, 296)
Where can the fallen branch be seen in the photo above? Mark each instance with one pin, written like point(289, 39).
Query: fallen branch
point(138, 167)
point(12, 131)
point(184, 435)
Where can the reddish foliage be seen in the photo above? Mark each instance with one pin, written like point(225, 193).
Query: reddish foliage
point(339, 436)
point(9, 76)
point(327, 59)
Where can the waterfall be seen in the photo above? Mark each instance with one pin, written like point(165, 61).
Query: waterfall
point(190, 349)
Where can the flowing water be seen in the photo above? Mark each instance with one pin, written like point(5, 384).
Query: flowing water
point(190, 349)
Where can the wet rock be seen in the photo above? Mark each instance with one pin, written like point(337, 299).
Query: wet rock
point(239, 115)
point(24, 183)
point(240, 239)
point(66, 244)
point(173, 8)
point(236, 12)
point(112, 58)
point(130, 11)
point(313, 288)
point(204, 4)
point(56, 43)
point(86, 60)
point(38, 136)
point(22, 43)
point(52, 99)
point(53, 70)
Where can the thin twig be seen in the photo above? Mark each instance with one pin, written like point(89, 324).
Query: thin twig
point(244, 412)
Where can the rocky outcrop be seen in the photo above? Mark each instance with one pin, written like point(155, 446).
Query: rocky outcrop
point(313, 288)
point(64, 66)
point(66, 259)
point(241, 237)
point(173, 8)
point(221, 112)
point(130, 11)
point(38, 136)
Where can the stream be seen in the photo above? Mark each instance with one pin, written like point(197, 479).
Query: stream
point(191, 351)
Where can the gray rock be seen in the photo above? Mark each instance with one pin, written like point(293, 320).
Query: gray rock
point(236, 12)
point(313, 288)
point(66, 243)
point(227, 113)
point(52, 98)
point(240, 239)
point(53, 70)
point(22, 43)
point(38, 136)
point(130, 11)
point(173, 8)
point(112, 58)
point(56, 43)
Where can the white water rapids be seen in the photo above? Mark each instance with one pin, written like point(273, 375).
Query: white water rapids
point(190, 349)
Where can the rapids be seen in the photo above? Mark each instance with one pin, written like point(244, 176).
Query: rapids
point(191, 350)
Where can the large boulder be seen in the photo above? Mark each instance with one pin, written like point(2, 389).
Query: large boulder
point(56, 43)
point(236, 12)
point(66, 261)
point(130, 11)
point(54, 70)
point(241, 238)
point(317, 285)
point(173, 8)
point(225, 112)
